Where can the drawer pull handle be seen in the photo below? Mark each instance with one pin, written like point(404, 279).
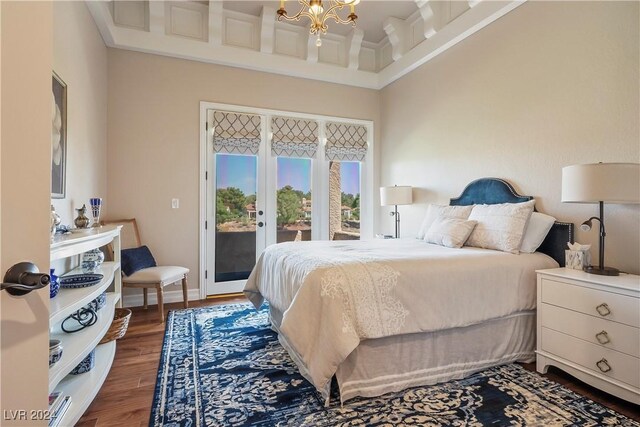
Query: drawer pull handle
point(603, 365)
point(603, 337)
point(603, 309)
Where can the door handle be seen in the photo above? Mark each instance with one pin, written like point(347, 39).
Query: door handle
point(23, 278)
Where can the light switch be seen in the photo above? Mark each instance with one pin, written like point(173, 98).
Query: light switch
point(175, 203)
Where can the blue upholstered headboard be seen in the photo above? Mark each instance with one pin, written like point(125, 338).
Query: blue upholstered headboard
point(491, 191)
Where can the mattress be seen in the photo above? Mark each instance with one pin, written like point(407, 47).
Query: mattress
point(335, 295)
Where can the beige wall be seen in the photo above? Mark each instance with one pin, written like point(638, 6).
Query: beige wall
point(548, 85)
point(80, 59)
point(153, 150)
point(25, 137)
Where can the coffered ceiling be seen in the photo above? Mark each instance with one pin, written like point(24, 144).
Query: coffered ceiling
point(391, 37)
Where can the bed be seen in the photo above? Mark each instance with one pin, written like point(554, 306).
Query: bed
point(384, 315)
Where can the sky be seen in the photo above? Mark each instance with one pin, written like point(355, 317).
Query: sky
point(240, 172)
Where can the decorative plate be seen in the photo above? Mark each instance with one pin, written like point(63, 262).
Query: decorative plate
point(79, 280)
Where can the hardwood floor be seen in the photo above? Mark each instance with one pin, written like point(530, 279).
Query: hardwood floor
point(126, 396)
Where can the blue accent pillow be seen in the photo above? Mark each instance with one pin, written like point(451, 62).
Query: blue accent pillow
point(136, 259)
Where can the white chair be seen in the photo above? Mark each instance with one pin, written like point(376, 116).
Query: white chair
point(152, 277)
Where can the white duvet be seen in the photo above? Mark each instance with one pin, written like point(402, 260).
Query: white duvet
point(335, 294)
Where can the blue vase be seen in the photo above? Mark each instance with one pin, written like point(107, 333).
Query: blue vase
point(91, 260)
point(54, 285)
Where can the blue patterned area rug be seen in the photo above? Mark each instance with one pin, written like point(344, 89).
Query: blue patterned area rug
point(223, 366)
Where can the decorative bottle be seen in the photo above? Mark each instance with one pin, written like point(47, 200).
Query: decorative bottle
point(81, 220)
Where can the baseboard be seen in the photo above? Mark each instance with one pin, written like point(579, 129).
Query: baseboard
point(136, 299)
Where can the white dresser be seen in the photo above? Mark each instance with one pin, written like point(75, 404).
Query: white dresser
point(589, 326)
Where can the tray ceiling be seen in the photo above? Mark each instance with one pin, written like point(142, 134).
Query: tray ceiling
point(391, 37)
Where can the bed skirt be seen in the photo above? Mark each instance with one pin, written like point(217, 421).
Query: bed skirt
point(390, 364)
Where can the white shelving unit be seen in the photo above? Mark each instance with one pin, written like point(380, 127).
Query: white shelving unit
point(76, 346)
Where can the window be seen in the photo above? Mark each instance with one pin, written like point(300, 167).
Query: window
point(293, 199)
point(235, 216)
point(344, 200)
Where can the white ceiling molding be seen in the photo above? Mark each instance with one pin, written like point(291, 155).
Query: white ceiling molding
point(208, 32)
point(216, 18)
point(428, 17)
point(156, 17)
point(354, 44)
point(398, 33)
point(267, 29)
point(312, 49)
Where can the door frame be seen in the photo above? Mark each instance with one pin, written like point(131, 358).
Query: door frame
point(266, 162)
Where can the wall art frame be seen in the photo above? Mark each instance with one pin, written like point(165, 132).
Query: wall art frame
point(58, 137)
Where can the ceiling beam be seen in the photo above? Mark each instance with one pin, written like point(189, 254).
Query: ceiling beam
point(156, 17)
point(309, 66)
point(216, 20)
point(472, 3)
point(353, 45)
point(428, 17)
point(396, 30)
point(312, 49)
point(267, 28)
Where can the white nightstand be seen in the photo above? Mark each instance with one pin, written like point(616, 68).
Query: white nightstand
point(589, 326)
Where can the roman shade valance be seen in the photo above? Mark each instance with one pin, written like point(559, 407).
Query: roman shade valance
point(346, 141)
point(236, 133)
point(293, 137)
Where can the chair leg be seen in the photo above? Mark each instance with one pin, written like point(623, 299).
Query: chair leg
point(160, 302)
point(144, 298)
point(185, 293)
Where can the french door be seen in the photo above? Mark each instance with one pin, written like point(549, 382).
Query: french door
point(267, 180)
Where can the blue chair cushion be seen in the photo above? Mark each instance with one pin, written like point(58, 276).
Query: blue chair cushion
point(136, 259)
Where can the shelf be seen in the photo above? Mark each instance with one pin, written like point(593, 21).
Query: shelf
point(77, 346)
point(67, 245)
point(83, 388)
point(70, 300)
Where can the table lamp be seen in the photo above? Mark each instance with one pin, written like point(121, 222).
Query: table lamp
point(599, 183)
point(394, 196)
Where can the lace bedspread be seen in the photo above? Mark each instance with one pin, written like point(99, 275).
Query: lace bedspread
point(335, 294)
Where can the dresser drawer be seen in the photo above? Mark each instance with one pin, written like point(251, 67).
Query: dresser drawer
point(613, 335)
point(620, 308)
point(624, 368)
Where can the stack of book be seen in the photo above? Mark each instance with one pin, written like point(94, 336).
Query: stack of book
point(58, 405)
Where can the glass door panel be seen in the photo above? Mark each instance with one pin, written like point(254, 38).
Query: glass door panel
point(293, 199)
point(236, 190)
point(344, 200)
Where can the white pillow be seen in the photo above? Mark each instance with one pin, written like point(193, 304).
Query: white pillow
point(500, 226)
point(435, 211)
point(449, 232)
point(537, 229)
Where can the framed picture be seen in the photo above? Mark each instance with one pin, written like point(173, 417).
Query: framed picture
point(58, 137)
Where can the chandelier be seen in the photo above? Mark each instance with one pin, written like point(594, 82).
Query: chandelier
point(314, 10)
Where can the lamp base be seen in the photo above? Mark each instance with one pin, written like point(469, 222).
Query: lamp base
point(602, 271)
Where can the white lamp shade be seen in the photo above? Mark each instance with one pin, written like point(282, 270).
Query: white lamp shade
point(606, 182)
point(397, 195)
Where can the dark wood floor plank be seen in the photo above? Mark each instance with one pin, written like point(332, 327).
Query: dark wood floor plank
point(127, 394)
